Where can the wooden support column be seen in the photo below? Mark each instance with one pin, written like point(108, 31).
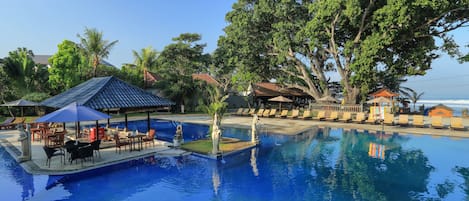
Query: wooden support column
point(148, 121)
point(126, 125)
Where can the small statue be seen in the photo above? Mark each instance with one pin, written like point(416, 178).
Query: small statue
point(178, 138)
point(254, 128)
point(25, 140)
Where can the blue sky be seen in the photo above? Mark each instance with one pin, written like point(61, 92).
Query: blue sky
point(42, 25)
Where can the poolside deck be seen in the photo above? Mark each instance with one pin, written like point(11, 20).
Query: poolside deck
point(296, 126)
point(9, 140)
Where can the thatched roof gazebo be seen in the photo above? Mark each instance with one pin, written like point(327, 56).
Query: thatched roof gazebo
point(109, 93)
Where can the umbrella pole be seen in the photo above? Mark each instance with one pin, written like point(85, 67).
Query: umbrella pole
point(108, 120)
point(97, 130)
point(77, 124)
point(22, 112)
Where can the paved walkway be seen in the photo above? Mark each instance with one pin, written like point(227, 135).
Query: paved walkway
point(9, 140)
point(296, 126)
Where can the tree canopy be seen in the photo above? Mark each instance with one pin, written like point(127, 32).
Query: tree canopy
point(95, 47)
point(299, 42)
point(176, 64)
point(68, 67)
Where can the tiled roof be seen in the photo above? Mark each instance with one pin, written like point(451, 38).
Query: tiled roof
point(151, 77)
point(384, 93)
point(106, 93)
point(205, 77)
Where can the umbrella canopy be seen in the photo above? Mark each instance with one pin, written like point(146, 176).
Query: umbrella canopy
point(20, 102)
point(379, 100)
point(73, 113)
point(328, 99)
point(281, 99)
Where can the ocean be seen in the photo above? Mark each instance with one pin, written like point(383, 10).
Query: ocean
point(456, 104)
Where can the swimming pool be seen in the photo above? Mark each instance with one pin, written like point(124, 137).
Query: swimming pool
point(322, 164)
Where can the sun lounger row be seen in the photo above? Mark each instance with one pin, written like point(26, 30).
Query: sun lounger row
point(10, 123)
point(456, 123)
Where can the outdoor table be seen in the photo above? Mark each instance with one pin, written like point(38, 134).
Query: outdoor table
point(136, 139)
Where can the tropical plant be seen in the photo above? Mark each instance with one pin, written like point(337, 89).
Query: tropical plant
point(411, 94)
point(144, 61)
point(299, 42)
point(95, 47)
point(20, 68)
point(216, 109)
point(67, 67)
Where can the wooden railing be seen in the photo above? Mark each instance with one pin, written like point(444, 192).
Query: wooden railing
point(336, 107)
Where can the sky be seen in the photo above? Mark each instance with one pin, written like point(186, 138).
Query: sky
point(41, 25)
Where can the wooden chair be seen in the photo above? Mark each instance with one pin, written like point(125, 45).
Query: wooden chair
point(333, 117)
point(321, 115)
point(266, 113)
point(283, 114)
point(120, 142)
point(346, 117)
point(418, 121)
point(150, 138)
point(403, 120)
point(306, 115)
point(456, 124)
point(294, 114)
point(437, 122)
point(359, 118)
point(273, 112)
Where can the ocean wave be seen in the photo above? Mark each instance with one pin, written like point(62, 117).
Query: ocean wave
point(448, 102)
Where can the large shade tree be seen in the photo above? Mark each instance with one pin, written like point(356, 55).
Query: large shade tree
point(363, 41)
point(176, 64)
point(95, 47)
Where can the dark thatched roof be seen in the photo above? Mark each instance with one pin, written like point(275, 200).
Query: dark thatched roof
point(106, 93)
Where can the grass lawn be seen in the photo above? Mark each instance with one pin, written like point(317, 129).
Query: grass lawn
point(227, 145)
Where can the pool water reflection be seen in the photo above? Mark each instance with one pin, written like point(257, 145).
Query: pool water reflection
point(322, 164)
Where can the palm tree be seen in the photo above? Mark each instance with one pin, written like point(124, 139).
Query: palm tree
point(411, 94)
point(145, 60)
point(20, 67)
point(95, 47)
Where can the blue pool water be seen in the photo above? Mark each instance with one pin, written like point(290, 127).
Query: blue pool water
point(321, 164)
point(165, 129)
